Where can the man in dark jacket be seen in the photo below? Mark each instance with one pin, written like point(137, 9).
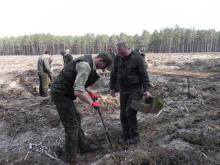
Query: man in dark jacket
point(73, 81)
point(130, 73)
point(44, 73)
point(66, 56)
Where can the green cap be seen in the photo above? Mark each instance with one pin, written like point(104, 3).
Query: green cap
point(107, 58)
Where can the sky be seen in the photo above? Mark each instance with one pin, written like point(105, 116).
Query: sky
point(111, 17)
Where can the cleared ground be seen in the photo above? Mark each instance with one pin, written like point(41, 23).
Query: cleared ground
point(186, 131)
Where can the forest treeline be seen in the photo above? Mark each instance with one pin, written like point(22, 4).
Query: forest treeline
point(168, 40)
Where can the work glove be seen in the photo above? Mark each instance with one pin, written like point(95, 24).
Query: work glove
point(93, 95)
point(96, 105)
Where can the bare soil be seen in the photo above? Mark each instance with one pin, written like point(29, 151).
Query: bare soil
point(185, 132)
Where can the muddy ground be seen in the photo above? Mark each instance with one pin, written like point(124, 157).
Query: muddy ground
point(186, 131)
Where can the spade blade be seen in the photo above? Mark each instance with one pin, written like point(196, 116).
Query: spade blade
point(147, 105)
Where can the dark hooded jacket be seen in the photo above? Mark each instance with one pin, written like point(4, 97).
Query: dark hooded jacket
point(129, 72)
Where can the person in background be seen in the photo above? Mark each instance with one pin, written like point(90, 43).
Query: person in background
point(74, 81)
point(110, 51)
point(66, 56)
point(44, 73)
point(143, 55)
point(132, 77)
point(140, 52)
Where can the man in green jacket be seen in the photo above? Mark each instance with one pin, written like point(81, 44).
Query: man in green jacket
point(73, 81)
point(130, 73)
point(44, 73)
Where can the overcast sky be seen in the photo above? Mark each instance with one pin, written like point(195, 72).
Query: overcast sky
point(79, 17)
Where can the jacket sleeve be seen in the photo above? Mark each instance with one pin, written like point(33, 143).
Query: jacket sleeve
point(47, 67)
point(143, 73)
point(83, 70)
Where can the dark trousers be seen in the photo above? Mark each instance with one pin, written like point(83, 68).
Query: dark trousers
point(74, 136)
point(128, 116)
point(43, 84)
